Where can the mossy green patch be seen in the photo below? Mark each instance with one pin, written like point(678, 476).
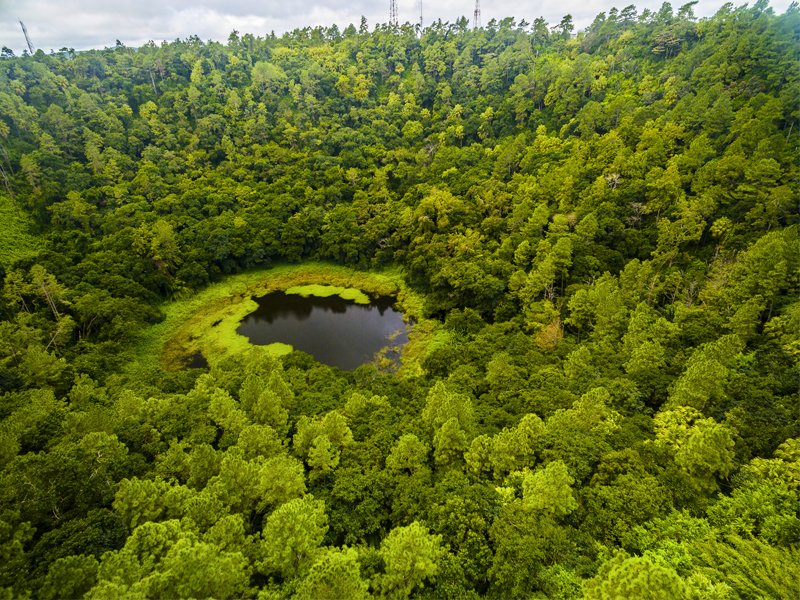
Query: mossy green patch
point(16, 240)
point(278, 349)
point(423, 336)
point(325, 291)
point(440, 338)
point(207, 321)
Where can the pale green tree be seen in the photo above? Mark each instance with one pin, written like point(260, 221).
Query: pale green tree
point(267, 409)
point(478, 456)
point(260, 440)
point(194, 569)
point(704, 449)
point(411, 555)
point(161, 560)
point(549, 490)
point(322, 457)
point(634, 578)
point(238, 483)
point(442, 405)
point(701, 385)
point(291, 537)
point(281, 479)
point(449, 443)
point(140, 500)
point(334, 575)
point(224, 410)
point(784, 467)
point(409, 453)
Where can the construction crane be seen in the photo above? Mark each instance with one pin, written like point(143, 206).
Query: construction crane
point(31, 49)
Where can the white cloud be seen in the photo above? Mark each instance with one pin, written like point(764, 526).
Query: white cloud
point(83, 24)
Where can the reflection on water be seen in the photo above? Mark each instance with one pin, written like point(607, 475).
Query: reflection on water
point(336, 332)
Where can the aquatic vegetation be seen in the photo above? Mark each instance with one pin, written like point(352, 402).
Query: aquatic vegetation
point(207, 321)
point(324, 291)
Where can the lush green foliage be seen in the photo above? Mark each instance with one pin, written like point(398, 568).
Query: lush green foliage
point(605, 225)
point(16, 240)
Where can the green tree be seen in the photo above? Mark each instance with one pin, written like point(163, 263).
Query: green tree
point(703, 448)
point(70, 577)
point(549, 490)
point(750, 567)
point(635, 577)
point(335, 574)
point(408, 454)
point(291, 537)
point(160, 559)
point(443, 405)
point(449, 443)
point(411, 556)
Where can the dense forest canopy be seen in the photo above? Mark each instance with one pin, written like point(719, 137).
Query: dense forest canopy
point(605, 223)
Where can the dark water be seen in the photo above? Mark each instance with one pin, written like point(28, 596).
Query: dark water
point(196, 361)
point(336, 332)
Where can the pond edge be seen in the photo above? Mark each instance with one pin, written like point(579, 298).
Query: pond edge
point(206, 322)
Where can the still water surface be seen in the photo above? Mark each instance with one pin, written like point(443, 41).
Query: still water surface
point(336, 332)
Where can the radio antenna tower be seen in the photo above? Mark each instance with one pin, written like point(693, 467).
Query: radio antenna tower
point(476, 19)
point(27, 38)
point(393, 13)
point(420, 17)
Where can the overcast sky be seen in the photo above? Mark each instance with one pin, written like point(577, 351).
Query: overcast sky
point(83, 24)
